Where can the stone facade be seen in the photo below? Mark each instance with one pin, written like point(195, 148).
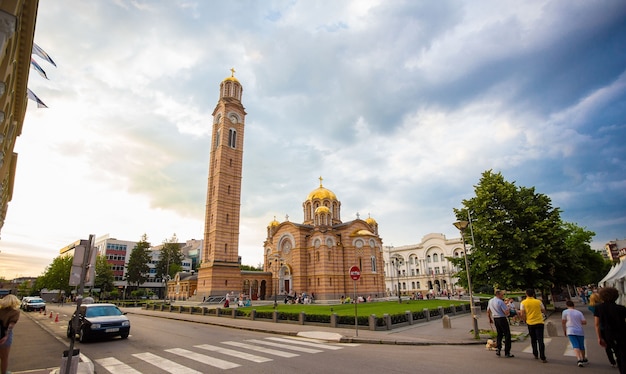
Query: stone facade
point(314, 256)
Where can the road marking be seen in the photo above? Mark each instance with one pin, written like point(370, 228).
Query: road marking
point(529, 349)
point(569, 350)
point(284, 346)
point(165, 364)
point(215, 362)
point(306, 343)
point(262, 349)
point(115, 366)
point(232, 352)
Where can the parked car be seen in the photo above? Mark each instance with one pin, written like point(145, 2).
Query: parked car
point(99, 321)
point(33, 303)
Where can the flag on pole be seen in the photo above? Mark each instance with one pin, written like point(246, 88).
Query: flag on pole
point(37, 67)
point(32, 96)
point(41, 53)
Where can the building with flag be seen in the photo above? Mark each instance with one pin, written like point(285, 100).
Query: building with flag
point(17, 30)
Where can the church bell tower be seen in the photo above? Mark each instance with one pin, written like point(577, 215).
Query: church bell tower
point(219, 271)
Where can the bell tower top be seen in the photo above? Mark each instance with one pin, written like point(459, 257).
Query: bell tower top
point(230, 87)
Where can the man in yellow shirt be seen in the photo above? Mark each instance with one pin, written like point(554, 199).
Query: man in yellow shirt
point(531, 310)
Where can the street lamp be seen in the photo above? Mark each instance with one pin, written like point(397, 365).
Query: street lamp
point(276, 267)
point(397, 264)
point(461, 226)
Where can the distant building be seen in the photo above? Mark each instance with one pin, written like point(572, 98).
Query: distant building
point(423, 267)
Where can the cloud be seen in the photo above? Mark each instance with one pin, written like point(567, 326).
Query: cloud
point(399, 106)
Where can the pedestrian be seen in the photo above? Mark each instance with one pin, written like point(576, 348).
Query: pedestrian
point(594, 300)
point(498, 313)
point(9, 315)
point(612, 317)
point(573, 321)
point(531, 311)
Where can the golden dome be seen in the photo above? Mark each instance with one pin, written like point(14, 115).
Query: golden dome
point(274, 223)
point(232, 76)
point(322, 209)
point(321, 193)
point(371, 221)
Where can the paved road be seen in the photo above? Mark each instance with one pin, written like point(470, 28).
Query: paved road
point(425, 334)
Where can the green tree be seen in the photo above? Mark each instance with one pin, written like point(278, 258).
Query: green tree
point(137, 269)
point(580, 264)
point(518, 236)
point(105, 277)
point(57, 275)
point(171, 258)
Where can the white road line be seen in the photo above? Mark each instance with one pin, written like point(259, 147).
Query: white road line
point(165, 364)
point(305, 343)
point(212, 361)
point(284, 346)
point(569, 350)
point(529, 349)
point(262, 349)
point(232, 352)
point(115, 366)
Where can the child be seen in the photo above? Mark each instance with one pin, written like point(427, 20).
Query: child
point(573, 321)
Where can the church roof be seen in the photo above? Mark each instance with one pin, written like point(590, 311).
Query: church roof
point(321, 193)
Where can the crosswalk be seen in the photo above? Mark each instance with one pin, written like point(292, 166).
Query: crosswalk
point(569, 350)
point(223, 355)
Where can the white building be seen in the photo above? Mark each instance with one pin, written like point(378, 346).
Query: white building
point(423, 267)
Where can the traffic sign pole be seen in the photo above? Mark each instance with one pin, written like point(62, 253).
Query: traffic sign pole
point(355, 274)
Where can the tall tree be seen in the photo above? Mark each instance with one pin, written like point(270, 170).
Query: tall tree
point(518, 236)
point(170, 260)
point(104, 275)
point(137, 269)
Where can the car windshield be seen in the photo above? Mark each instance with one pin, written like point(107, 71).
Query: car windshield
point(32, 301)
point(100, 311)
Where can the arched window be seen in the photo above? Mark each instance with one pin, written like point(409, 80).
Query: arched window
point(232, 138)
point(435, 258)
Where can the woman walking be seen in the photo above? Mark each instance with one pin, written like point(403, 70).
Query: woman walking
point(9, 315)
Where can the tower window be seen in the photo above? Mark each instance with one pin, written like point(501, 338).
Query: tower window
point(232, 138)
point(217, 138)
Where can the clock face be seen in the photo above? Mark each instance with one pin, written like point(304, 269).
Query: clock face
point(233, 118)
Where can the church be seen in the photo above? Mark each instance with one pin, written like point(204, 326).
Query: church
point(312, 257)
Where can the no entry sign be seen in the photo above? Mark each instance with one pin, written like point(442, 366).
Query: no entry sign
point(355, 273)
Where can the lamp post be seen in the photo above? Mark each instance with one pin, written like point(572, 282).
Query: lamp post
point(462, 226)
point(276, 260)
point(397, 265)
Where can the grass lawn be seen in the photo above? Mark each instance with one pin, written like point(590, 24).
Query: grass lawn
point(363, 309)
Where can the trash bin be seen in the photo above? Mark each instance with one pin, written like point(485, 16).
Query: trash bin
point(74, 362)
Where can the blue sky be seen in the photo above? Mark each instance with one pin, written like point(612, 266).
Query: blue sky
point(398, 105)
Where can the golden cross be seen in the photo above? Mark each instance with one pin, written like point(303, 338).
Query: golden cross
point(232, 72)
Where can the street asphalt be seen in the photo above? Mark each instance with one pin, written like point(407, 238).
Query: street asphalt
point(34, 352)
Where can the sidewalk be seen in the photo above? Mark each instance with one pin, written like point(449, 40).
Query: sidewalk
point(420, 333)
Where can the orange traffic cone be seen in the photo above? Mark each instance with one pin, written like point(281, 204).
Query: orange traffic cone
point(50, 314)
point(57, 318)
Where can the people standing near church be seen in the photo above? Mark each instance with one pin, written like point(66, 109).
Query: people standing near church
point(9, 315)
point(572, 321)
point(498, 313)
point(531, 311)
point(611, 317)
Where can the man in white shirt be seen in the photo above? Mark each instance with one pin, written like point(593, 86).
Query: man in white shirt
point(498, 312)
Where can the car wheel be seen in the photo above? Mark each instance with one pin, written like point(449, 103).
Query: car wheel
point(82, 336)
point(124, 335)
